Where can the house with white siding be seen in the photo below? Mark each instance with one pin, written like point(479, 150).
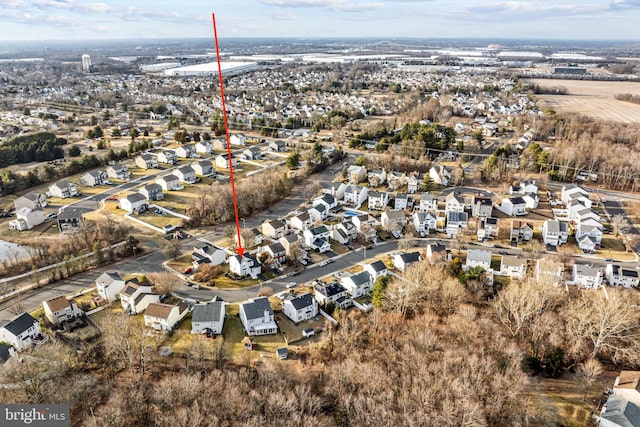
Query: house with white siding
point(300, 307)
point(257, 317)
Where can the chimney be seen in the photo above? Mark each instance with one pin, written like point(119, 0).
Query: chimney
point(266, 316)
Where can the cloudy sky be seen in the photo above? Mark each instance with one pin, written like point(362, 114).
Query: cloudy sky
point(108, 19)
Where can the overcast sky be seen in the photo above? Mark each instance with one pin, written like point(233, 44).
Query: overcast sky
point(108, 19)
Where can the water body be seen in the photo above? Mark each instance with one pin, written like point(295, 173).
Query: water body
point(10, 250)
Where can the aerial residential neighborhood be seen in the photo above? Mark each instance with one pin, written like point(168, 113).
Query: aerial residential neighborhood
point(427, 218)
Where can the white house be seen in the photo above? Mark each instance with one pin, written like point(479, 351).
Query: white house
point(455, 222)
point(355, 195)
point(245, 265)
point(376, 269)
point(327, 200)
point(477, 258)
point(134, 203)
point(393, 219)
point(378, 200)
point(60, 309)
point(252, 153)
point(146, 161)
point(300, 307)
point(274, 228)
point(356, 174)
point(186, 174)
point(277, 252)
point(481, 207)
point(572, 190)
point(454, 202)
point(63, 189)
point(423, 222)
point(185, 151)
point(437, 253)
point(592, 231)
point(333, 293)
point(152, 191)
point(555, 233)
point(586, 276)
point(402, 261)
point(525, 187)
point(278, 146)
point(440, 174)
point(164, 317)
point(358, 284)
point(136, 296)
point(203, 168)
point(377, 177)
point(204, 147)
point(167, 157)
point(587, 243)
point(300, 222)
point(428, 202)
point(94, 178)
point(413, 183)
point(21, 332)
point(514, 267)
point(513, 206)
point(317, 238)
point(31, 200)
point(521, 231)
point(318, 212)
point(237, 139)
point(401, 201)
point(109, 285)
point(169, 183)
point(208, 317)
point(619, 276)
point(27, 218)
point(222, 161)
point(336, 189)
point(119, 171)
point(206, 253)
point(257, 318)
point(531, 200)
point(488, 227)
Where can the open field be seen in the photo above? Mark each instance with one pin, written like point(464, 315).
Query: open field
point(592, 98)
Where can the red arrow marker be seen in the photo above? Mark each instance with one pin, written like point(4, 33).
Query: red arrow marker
point(226, 130)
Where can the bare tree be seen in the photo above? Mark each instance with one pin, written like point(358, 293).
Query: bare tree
point(265, 291)
point(587, 374)
point(173, 249)
point(165, 282)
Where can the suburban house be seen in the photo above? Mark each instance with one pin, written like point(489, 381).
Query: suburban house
point(219, 144)
point(119, 171)
point(378, 200)
point(60, 309)
point(289, 243)
point(440, 174)
point(356, 174)
point(555, 233)
point(531, 200)
point(136, 296)
point(573, 191)
point(22, 332)
point(437, 253)
point(63, 189)
point(274, 228)
point(594, 232)
point(249, 237)
point(428, 202)
point(587, 243)
point(327, 200)
point(521, 231)
point(203, 168)
point(31, 200)
point(358, 284)
point(169, 183)
point(339, 235)
point(456, 221)
point(402, 261)
point(300, 222)
point(109, 285)
point(481, 207)
point(278, 146)
point(622, 408)
point(586, 276)
point(146, 161)
point(257, 318)
point(333, 293)
point(206, 253)
point(477, 258)
point(376, 177)
point(318, 212)
point(203, 147)
point(619, 276)
point(401, 201)
point(237, 139)
point(167, 157)
point(317, 238)
point(396, 180)
point(208, 317)
point(152, 191)
point(26, 219)
point(392, 220)
point(277, 252)
point(355, 195)
point(94, 178)
point(186, 174)
point(514, 267)
point(222, 161)
point(513, 206)
point(70, 219)
point(413, 183)
point(488, 227)
point(134, 203)
point(252, 153)
point(337, 190)
point(347, 228)
point(376, 269)
point(165, 317)
point(245, 265)
point(454, 202)
point(300, 307)
point(525, 187)
point(185, 151)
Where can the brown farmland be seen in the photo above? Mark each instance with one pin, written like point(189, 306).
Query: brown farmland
point(592, 98)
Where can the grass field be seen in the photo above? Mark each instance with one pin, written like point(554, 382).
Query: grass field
point(592, 98)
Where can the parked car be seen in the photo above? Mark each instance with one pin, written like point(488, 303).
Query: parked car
point(187, 270)
point(291, 285)
point(197, 287)
point(323, 263)
point(111, 199)
point(295, 272)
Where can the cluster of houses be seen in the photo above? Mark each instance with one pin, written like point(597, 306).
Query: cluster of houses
point(30, 213)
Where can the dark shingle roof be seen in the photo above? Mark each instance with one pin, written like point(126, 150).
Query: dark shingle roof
point(207, 312)
point(302, 301)
point(378, 266)
point(255, 309)
point(20, 324)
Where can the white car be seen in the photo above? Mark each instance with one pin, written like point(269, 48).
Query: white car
point(322, 263)
point(291, 285)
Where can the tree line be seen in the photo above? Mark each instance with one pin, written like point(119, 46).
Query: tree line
point(37, 147)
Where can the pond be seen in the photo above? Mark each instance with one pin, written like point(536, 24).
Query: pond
point(12, 250)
